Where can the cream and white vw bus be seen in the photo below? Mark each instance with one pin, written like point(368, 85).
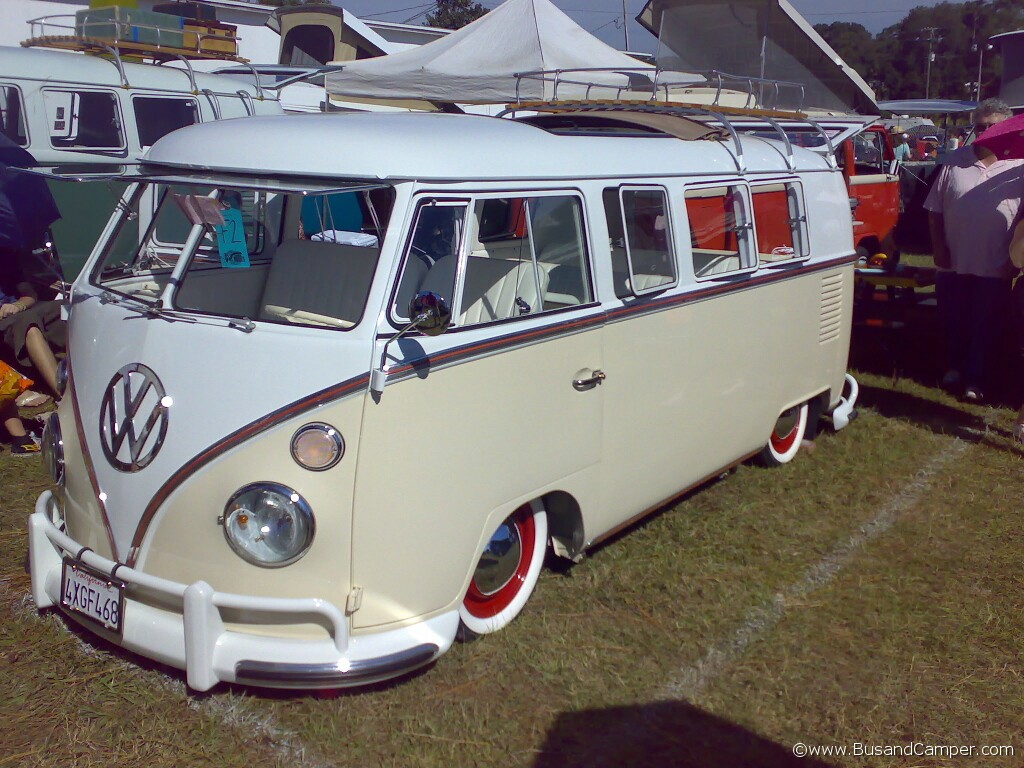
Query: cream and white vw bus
point(580, 314)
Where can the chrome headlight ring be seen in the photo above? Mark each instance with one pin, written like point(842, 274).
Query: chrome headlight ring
point(268, 524)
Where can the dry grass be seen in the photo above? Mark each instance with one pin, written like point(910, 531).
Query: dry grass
point(915, 636)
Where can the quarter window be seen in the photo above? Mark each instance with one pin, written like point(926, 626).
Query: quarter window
point(84, 120)
point(720, 230)
point(780, 222)
point(12, 117)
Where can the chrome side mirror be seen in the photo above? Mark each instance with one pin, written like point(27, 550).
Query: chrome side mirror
point(429, 313)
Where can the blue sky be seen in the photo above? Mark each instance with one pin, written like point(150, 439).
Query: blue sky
point(603, 18)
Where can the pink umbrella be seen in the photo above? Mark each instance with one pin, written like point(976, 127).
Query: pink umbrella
point(1006, 139)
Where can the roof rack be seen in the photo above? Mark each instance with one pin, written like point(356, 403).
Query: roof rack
point(64, 32)
point(692, 113)
point(713, 88)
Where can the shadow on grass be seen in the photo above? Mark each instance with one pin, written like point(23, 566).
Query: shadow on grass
point(938, 417)
point(673, 734)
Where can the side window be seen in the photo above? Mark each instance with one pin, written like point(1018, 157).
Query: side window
point(780, 221)
point(867, 153)
point(12, 118)
point(522, 256)
point(720, 230)
point(155, 117)
point(84, 120)
point(643, 259)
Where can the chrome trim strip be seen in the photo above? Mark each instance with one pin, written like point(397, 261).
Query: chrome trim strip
point(360, 672)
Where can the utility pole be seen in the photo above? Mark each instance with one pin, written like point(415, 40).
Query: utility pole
point(978, 46)
point(625, 24)
point(933, 40)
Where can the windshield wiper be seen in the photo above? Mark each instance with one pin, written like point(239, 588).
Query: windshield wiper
point(245, 325)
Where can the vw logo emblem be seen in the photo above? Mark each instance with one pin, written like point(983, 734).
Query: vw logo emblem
point(133, 418)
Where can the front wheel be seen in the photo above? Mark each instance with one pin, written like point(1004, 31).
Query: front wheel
point(784, 441)
point(506, 573)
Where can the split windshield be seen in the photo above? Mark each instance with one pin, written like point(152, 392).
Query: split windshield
point(278, 256)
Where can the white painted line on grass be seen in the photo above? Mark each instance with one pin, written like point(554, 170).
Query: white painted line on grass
point(228, 707)
point(691, 680)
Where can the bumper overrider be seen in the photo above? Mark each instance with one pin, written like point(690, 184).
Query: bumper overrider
point(187, 630)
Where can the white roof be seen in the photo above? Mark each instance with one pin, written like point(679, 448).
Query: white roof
point(445, 147)
point(478, 62)
point(58, 68)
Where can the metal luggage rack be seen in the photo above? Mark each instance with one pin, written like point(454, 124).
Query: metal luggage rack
point(692, 112)
point(759, 94)
point(57, 32)
point(111, 52)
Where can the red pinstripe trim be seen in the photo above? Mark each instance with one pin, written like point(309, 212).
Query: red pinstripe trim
point(642, 307)
point(739, 284)
point(230, 441)
point(509, 340)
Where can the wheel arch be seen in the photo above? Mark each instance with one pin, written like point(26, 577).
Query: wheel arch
point(565, 525)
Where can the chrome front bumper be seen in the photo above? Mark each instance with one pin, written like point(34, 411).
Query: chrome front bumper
point(195, 639)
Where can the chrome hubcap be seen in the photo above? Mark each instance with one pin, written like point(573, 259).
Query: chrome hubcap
point(500, 560)
point(787, 423)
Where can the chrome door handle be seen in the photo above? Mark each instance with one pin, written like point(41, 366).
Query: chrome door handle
point(581, 385)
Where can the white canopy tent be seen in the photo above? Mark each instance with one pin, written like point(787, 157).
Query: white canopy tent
point(479, 63)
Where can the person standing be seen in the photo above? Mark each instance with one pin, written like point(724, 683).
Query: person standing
point(953, 142)
point(972, 207)
point(902, 150)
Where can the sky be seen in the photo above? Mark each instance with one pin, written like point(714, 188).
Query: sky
point(603, 18)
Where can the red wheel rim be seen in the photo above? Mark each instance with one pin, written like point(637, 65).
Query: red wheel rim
point(783, 443)
point(486, 606)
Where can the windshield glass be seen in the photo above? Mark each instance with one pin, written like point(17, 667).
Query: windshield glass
point(279, 257)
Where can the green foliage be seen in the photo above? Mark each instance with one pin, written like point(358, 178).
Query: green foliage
point(934, 51)
point(455, 14)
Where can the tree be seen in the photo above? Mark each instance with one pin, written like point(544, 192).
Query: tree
point(854, 44)
point(454, 14)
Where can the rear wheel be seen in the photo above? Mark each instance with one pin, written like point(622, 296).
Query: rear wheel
point(506, 573)
point(784, 441)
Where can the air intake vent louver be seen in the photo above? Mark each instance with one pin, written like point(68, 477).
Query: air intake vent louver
point(831, 307)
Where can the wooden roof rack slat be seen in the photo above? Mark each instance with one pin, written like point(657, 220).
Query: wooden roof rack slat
point(126, 48)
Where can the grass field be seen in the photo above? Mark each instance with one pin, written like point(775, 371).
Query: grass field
point(867, 596)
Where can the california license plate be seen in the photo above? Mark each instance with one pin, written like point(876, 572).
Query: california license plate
point(91, 594)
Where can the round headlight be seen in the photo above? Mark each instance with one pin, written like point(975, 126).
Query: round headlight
point(317, 446)
point(268, 524)
point(53, 449)
point(62, 376)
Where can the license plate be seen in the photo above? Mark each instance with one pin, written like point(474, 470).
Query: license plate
point(91, 594)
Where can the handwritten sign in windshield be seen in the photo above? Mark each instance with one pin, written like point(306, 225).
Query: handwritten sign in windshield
point(231, 240)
